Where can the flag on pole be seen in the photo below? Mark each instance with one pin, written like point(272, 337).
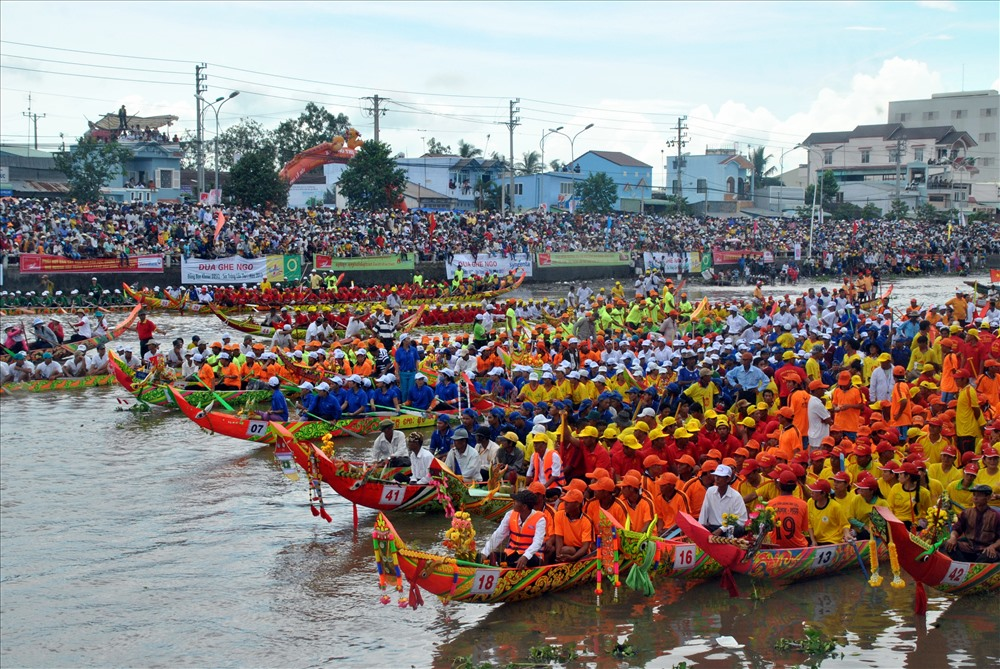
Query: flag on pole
point(961, 218)
point(433, 225)
point(949, 231)
point(995, 275)
point(219, 222)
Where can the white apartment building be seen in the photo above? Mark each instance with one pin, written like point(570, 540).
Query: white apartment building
point(974, 112)
point(932, 164)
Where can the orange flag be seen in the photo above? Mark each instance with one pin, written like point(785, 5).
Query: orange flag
point(220, 221)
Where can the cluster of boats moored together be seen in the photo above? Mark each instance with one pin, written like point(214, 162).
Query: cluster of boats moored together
point(611, 441)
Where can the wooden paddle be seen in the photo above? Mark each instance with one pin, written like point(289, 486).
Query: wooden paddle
point(335, 426)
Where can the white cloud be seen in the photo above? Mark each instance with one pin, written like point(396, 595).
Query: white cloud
point(943, 38)
point(941, 5)
point(866, 29)
point(864, 102)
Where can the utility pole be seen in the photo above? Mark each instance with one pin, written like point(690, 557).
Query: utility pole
point(199, 87)
point(680, 142)
point(376, 110)
point(900, 148)
point(33, 117)
point(511, 124)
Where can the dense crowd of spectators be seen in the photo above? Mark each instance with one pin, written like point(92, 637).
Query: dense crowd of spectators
point(109, 229)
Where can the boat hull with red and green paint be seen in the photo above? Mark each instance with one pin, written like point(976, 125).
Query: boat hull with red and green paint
point(376, 487)
point(469, 582)
point(776, 564)
point(934, 568)
point(67, 383)
point(241, 427)
point(155, 394)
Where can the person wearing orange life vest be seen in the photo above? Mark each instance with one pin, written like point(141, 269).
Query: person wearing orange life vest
point(230, 372)
point(545, 466)
point(523, 529)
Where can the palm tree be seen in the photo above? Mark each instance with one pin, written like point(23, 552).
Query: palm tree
point(761, 172)
point(532, 164)
point(557, 165)
point(467, 150)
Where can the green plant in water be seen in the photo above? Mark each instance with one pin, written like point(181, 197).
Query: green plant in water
point(814, 644)
point(466, 662)
point(552, 653)
point(622, 650)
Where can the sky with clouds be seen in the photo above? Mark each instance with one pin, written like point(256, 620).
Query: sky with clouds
point(743, 73)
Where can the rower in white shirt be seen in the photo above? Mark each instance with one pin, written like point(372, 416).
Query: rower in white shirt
point(721, 500)
point(463, 459)
point(421, 461)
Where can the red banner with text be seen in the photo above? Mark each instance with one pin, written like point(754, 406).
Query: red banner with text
point(34, 263)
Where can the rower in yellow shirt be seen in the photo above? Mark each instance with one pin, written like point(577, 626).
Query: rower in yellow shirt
point(959, 491)
point(945, 472)
point(933, 443)
point(827, 519)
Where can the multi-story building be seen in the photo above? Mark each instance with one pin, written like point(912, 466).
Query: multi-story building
point(717, 182)
point(974, 112)
point(632, 178)
point(873, 164)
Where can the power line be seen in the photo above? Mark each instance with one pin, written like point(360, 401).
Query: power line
point(374, 111)
point(92, 76)
point(105, 67)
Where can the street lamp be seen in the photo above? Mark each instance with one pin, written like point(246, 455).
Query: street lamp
point(541, 144)
point(215, 107)
point(812, 213)
point(572, 140)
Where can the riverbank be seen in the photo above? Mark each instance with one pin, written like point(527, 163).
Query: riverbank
point(14, 280)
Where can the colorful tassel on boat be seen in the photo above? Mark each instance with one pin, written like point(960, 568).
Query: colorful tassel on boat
point(600, 572)
point(875, 580)
point(614, 544)
point(897, 581)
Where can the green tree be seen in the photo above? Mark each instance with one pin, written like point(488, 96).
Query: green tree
point(491, 196)
point(531, 163)
point(897, 210)
point(678, 204)
point(91, 165)
point(556, 165)
point(314, 126)
point(846, 211)
point(436, 148)
point(827, 193)
point(372, 180)
point(762, 174)
point(925, 212)
point(245, 137)
point(597, 193)
point(871, 211)
point(254, 180)
point(466, 150)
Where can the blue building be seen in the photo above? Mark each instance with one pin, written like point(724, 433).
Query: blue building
point(632, 177)
point(714, 183)
point(153, 174)
point(463, 180)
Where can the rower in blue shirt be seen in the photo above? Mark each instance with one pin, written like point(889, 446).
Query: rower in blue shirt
point(447, 390)
point(441, 437)
point(421, 395)
point(327, 407)
point(279, 407)
point(307, 401)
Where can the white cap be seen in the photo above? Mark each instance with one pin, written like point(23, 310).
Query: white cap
point(197, 357)
point(541, 420)
point(323, 386)
point(723, 470)
point(286, 328)
point(496, 371)
point(224, 355)
point(546, 375)
point(81, 349)
point(306, 386)
point(420, 376)
point(574, 374)
point(533, 376)
point(273, 382)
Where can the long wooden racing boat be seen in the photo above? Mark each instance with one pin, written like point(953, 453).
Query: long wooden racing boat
point(933, 568)
point(377, 487)
point(460, 581)
point(69, 348)
point(776, 564)
point(153, 302)
point(155, 394)
point(671, 558)
point(66, 383)
point(240, 427)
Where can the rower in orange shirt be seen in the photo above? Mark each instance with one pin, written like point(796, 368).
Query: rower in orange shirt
point(669, 501)
point(230, 372)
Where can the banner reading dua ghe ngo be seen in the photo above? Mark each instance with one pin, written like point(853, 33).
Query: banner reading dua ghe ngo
point(241, 270)
point(488, 264)
point(34, 263)
point(733, 257)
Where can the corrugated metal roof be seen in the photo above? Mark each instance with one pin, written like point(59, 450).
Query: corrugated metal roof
point(110, 121)
point(619, 158)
